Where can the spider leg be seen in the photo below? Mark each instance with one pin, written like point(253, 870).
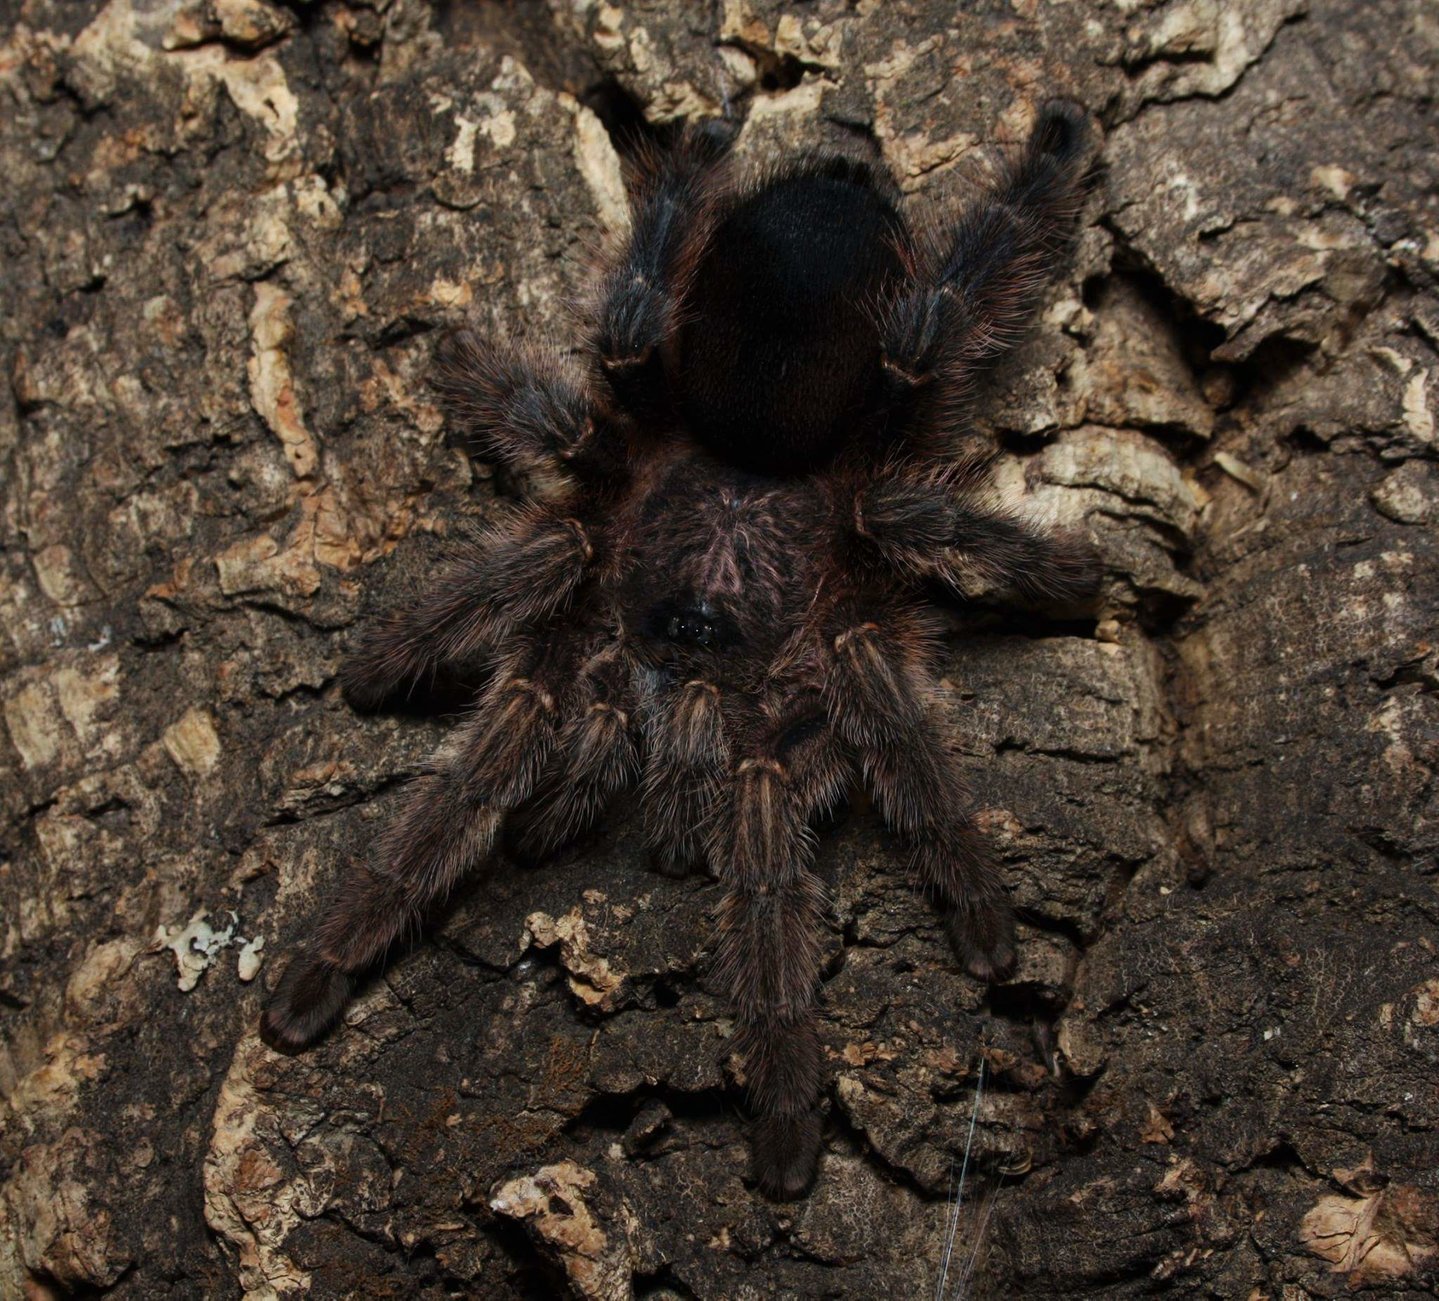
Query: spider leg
point(595, 758)
point(971, 299)
point(523, 411)
point(877, 698)
point(772, 922)
point(928, 528)
point(670, 223)
point(520, 573)
point(686, 756)
point(446, 823)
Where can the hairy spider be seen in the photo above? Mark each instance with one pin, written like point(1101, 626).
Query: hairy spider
point(720, 588)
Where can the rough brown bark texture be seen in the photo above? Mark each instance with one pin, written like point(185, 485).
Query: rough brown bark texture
point(230, 232)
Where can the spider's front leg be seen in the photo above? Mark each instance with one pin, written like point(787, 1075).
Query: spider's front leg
point(771, 928)
point(520, 572)
point(447, 822)
point(595, 759)
point(879, 697)
point(686, 757)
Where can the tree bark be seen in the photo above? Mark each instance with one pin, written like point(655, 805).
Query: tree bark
point(231, 231)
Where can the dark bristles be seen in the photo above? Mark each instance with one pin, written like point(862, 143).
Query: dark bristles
point(720, 590)
point(1061, 130)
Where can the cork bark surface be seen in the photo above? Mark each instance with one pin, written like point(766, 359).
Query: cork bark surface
point(231, 232)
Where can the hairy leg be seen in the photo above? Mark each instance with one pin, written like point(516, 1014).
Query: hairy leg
point(686, 755)
point(752, 824)
point(971, 295)
point(595, 758)
point(931, 527)
point(879, 699)
point(772, 924)
point(522, 571)
point(670, 193)
point(447, 822)
point(523, 410)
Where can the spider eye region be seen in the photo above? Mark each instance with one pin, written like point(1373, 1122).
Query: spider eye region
point(691, 623)
point(690, 627)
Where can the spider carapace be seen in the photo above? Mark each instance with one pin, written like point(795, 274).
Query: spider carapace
point(718, 592)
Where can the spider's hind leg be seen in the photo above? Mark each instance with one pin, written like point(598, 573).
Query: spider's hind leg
point(972, 296)
point(524, 410)
point(671, 207)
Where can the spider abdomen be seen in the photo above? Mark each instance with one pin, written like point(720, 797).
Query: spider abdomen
point(779, 362)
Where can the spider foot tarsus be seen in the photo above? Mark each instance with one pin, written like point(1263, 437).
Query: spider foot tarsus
point(983, 940)
point(671, 860)
point(306, 1003)
point(784, 1153)
point(1061, 130)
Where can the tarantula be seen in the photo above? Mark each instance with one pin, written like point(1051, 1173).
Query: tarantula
point(720, 589)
